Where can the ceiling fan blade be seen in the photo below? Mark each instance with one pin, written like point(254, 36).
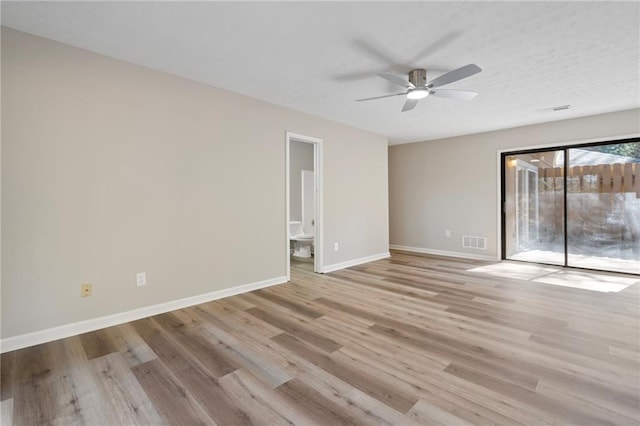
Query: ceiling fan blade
point(435, 46)
point(380, 97)
point(409, 105)
point(396, 80)
point(463, 95)
point(455, 75)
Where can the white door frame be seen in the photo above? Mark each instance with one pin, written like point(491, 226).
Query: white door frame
point(528, 168)
point(317, 171)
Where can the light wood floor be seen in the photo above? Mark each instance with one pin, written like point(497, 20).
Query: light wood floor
point(407, 340)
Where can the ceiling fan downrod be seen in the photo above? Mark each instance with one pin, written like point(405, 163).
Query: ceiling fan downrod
point(418, 77)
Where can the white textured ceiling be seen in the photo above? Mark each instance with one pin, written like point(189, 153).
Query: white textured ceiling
point(318, 57)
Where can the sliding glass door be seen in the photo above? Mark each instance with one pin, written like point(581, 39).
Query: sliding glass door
point(574, 206)
point(534, 207)
point(603, 207)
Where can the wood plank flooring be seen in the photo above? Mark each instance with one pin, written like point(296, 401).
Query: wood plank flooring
point(413, 339)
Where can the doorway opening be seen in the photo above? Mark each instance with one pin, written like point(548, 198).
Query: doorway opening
point(303, 202)
point(575, 206)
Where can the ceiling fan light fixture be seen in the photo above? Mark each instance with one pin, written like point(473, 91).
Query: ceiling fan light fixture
point(419, 93)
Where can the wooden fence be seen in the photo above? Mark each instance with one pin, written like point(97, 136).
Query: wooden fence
point(598, 178)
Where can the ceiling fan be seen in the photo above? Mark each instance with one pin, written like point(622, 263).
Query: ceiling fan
point(418, 88)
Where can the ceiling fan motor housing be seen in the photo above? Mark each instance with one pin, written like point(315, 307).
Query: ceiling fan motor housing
point(418, 78)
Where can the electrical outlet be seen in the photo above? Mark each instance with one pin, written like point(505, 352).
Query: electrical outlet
point(336, 246)
point(447, 233)
point(141, 279)
point(86, 290)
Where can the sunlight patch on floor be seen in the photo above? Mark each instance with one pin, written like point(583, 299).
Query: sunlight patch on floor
point(580, 261)
point(585, 280)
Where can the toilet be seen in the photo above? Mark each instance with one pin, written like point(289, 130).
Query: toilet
point(301, 242)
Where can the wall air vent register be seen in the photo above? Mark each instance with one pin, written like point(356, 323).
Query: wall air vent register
point(472, 242)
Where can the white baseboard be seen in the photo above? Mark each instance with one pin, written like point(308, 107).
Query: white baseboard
point(73, 329)
point(354, 262)
point(445, 253)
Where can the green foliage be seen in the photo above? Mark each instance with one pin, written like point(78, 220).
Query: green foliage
point(631, 149)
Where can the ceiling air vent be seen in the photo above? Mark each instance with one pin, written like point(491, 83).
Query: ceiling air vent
point(556, 108)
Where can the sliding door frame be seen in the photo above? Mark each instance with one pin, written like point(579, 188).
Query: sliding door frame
point(503, 154)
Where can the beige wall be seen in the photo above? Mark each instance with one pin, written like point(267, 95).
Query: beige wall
point(451, 184)
point(109, 169)
point(300, 158)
